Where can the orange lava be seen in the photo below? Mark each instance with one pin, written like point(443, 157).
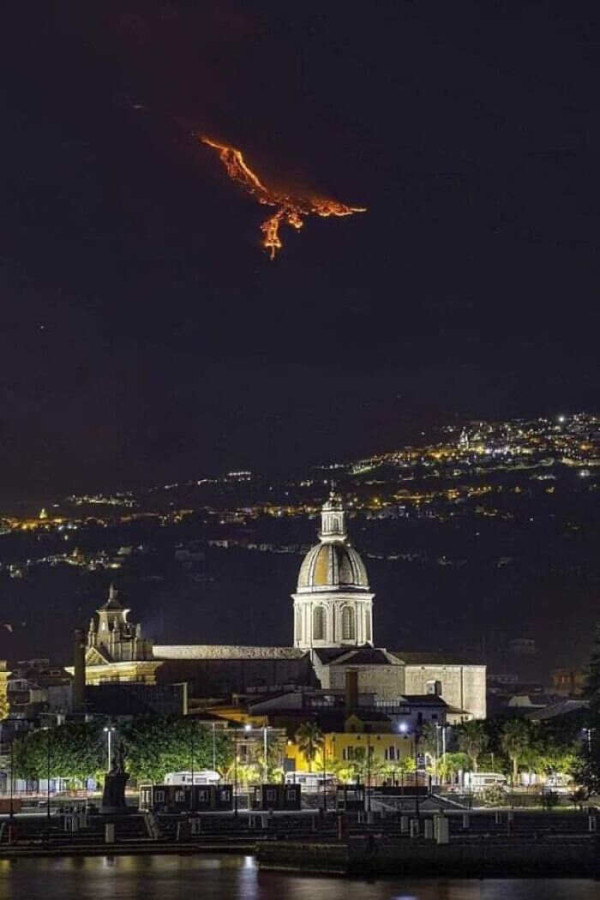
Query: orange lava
point(290, 210)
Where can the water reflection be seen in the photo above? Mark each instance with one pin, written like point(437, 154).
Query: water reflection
point(237, 878)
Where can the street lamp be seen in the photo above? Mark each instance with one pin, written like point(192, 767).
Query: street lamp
point(368, 769)
point(265, 752)
point(325, 773)
point(214, 746)
point(416, 748)
point(439, 728)
point(403, 729)
point(192, 764)
point(246, 729)
point(12, 766)
point(46, 728)
point(109, 730)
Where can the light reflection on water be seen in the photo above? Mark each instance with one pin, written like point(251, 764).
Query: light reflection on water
point(237, 878)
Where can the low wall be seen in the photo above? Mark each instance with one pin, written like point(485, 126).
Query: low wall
point(554, 857)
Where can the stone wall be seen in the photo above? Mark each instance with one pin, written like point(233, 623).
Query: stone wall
point(386, 682)
point(463, 686)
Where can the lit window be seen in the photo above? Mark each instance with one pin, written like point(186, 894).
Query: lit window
point(348, 624)
point(318, 623)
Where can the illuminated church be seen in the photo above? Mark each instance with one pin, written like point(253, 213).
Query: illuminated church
point(333, 634)
point(333, 606)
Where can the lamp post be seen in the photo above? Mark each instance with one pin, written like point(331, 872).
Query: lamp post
point(417, 737)
point(12, 766)
point(235, 773)
point(109, 730)
point(245, 729)
point(214, 746)
point(47, 730)
point(403, 729)
point(325, 773)
point(368, 769)
point(265, 752)
point(48, 779)
point(192, 764)
point(439, 728)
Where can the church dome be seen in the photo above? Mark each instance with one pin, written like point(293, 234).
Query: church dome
point(331, 566)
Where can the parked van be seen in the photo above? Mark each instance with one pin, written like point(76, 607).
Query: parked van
point(311, 781)
point(204, 776)
point(481, 781)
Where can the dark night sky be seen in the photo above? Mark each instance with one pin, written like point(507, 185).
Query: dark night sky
point(145, 334)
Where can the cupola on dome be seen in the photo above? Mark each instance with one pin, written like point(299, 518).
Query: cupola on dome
point(332, 564)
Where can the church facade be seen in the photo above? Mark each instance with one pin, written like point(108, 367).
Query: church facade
point(333, 634)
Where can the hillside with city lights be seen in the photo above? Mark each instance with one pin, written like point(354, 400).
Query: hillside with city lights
point(486, 528)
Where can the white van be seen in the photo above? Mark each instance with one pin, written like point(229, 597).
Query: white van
point(480, 781)
point(310, 781)
point(204, 776)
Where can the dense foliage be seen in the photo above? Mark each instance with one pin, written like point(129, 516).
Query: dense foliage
point(72, 751)
point(155, 745)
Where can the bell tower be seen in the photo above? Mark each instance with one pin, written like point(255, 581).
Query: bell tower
point(113, 636)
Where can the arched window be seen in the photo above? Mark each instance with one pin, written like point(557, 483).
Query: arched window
point(348, 624)
point(368, 625)
point(318, 623)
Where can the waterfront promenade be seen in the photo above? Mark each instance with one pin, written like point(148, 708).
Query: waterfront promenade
point(489, 844)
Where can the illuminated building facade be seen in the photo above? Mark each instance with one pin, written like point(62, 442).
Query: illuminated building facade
point(333, 606)
point(333, 635)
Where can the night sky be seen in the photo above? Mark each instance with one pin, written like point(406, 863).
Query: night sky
point(146, 335)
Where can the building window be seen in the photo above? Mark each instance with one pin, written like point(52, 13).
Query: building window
point(348, 624)
point(318, 623)
point(368, 626)
point(298, 624)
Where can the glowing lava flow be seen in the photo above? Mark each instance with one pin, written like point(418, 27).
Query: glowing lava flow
point(290, 210)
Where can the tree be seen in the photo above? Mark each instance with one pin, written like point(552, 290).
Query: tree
point(452, 764)
point(515, 740)
point(472, 740)
point(155, 745)
point(588, 765)
point(73, 751)
point(310, 740)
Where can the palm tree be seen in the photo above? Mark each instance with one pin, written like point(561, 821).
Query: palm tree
point(452, 764)
point(472, 740)
point(515, 739)
point(310, 740)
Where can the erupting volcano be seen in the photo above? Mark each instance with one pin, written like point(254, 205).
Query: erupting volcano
point(290, 209)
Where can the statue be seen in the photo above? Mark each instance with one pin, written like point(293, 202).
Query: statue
point(113, 796)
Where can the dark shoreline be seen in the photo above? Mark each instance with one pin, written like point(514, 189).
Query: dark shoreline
point(545, 858)
point(555, 858)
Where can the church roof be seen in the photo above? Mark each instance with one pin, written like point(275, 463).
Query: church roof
point(334, 565)
point(328, 654)
point(363, 656)
point(424, 700)
point(432, 658)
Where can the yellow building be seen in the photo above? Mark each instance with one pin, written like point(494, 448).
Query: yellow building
point(351, 747)
point(4, 676)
